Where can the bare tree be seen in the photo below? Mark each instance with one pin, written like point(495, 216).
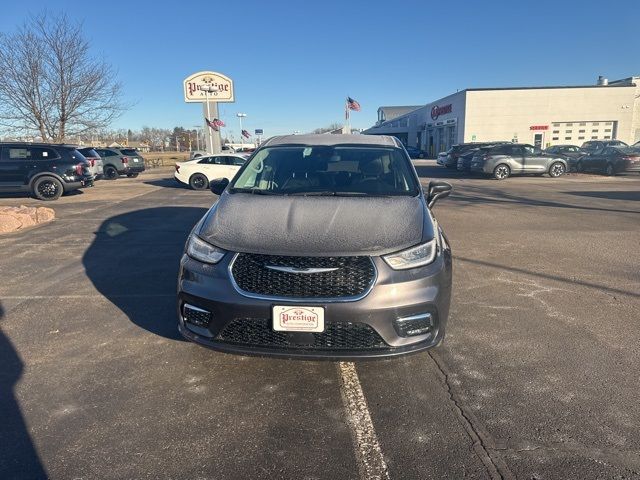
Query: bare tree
point(51, 85)
point(333, 126)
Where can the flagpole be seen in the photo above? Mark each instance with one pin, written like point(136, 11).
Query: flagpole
point(206, 92)
point(347, 115)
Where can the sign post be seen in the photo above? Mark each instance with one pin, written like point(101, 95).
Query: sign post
point(209, 88)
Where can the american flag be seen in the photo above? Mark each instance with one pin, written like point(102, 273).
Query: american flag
point(353, 104)
point(215, 124)
point(245, 134)
point(211, 124)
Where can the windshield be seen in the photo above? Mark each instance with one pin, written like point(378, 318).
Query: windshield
point(328, 170)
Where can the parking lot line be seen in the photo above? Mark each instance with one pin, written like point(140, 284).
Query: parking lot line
point(369, 454)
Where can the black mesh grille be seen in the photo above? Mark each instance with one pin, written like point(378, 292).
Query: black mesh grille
point(337, 336)
point(196, 317)
point(353, 276)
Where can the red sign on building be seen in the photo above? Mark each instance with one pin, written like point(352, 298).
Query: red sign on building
point(539, 127)
point(436, 111)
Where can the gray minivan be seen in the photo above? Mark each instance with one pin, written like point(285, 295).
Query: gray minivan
point(503, 160)
point(120, 161)
point(320, 246)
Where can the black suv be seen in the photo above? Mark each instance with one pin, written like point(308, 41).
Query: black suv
point(45, 170)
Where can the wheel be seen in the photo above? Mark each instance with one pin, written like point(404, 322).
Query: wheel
point(610, 172)
point(47, 188)
point(501, 172)
point(198, 182)
point(557, 169)
point(132, 175)
point(110, 172)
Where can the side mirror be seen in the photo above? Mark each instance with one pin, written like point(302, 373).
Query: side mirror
point(218, 185)
point(437, 190)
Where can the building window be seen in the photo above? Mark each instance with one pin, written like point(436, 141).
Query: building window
point(580, 138)
point(556, 131)
point(556, 124)
point(608, 123)
point(581, 131)
point(567, 138)
point(595, 137)
point(607, 129)
point(555, 138)
point(595, 130)
point(569, 125)
point(607, 137)
point(583, 124)
point(595, 124)
point(568, 131)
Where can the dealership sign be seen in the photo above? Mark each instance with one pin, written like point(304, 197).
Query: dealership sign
point(539, 127)
point(218, 87)
point(436, 111)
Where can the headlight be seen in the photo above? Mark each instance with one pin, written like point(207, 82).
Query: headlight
point(202, 251)
point(413, 257)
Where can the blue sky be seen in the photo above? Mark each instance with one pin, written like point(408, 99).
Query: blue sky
point(293, 62)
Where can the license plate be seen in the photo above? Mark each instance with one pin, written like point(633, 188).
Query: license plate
point(135, 160)
point(298, 318)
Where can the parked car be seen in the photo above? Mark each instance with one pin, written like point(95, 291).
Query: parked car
point(454, 152)
point(503, 160)
point(414, 152)
point(611, 160)
point(593, 146)
point(203, 153)
point(442, 158)
point(464, 160)
point(321, 246)
point(120, 161)
point(45, 170)
point(95, 162)
point(199, 172)
point(572, 153)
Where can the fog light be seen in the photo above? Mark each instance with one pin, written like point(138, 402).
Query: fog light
point(196, 316)
point(414, 325)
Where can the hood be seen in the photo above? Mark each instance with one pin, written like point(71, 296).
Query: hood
point(320, 226)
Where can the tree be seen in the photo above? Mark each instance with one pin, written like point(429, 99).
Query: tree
point(51, 85)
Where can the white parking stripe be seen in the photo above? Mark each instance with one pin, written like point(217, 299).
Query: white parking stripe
point(369, 454)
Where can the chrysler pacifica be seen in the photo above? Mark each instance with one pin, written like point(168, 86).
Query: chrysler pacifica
point(320, 246)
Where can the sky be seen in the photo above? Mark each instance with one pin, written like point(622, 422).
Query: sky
point(294, 62)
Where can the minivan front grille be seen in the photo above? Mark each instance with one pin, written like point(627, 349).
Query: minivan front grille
point(337, 336)
point(303, 277)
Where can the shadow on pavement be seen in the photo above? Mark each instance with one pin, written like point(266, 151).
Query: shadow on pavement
point(18, 456)
point(133, 262)
point(166, 183)
point(547, 276)
point(428, 171)
point(480, 195)
point(633, 196)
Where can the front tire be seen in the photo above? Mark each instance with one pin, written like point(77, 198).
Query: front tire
point(557, 169)
point(110, 173)
point(47, 189)
point(198, 181)
point(501, 172)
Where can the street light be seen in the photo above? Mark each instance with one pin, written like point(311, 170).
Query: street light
point(241, 116)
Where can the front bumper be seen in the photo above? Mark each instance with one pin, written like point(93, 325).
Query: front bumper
point(395, 294)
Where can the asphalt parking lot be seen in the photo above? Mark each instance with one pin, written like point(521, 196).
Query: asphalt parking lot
point(537, 378)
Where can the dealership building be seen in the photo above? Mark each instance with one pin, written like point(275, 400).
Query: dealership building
point(541, 116)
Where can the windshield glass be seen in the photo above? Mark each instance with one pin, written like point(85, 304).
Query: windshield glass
point(328, 170)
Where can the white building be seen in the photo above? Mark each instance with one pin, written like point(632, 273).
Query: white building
point(540, 116)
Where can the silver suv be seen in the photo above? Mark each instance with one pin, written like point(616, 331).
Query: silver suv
point(502, 161)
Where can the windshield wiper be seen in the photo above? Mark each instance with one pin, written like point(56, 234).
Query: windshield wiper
point(256, 191)
point(333, 193)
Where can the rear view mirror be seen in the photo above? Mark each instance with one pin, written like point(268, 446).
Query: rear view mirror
point(218, 185)
point(437, 190)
